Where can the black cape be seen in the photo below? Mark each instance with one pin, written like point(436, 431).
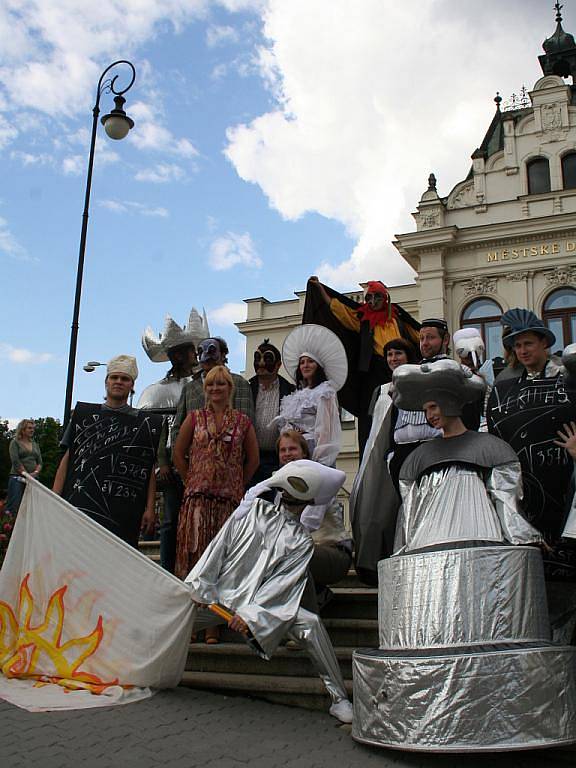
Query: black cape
point(366, 369)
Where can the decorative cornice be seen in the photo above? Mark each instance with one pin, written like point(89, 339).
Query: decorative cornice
point(516, 277)
point(561, 275)
point(480, 284)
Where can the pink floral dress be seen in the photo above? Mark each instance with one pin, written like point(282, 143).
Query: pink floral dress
point(214, 484)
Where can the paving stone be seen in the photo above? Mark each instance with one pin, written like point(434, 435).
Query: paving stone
point(185, 728)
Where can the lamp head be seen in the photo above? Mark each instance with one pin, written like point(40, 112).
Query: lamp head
point(117, 124)
point(91, 366)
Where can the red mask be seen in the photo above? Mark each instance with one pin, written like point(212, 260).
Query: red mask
point(377, 293)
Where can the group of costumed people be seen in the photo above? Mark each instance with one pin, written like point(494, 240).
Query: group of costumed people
point(258, 532)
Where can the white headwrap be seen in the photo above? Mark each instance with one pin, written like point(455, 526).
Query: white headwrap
point(123, 364)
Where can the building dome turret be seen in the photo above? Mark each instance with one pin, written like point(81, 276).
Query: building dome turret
point(560, 51)
point(560, 40)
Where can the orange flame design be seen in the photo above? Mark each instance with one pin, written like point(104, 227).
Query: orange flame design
point(38, 652)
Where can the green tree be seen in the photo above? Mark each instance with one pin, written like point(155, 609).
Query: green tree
point(47, 435)
point(6, 435)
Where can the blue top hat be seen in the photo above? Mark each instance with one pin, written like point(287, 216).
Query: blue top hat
point(521, 320)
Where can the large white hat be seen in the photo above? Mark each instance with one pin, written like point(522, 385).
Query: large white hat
point(157, 347)
point(321, 345)
point(308, 481)
point(446, 382)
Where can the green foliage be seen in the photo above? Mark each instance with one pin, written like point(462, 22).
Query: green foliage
point(47, 435)
point(5, 437)
point(6, 526)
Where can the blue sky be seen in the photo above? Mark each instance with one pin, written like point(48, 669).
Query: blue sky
point(273, 139)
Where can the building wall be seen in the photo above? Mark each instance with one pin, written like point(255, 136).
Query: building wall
point(488, 238)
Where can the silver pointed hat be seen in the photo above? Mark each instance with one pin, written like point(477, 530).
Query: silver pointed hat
point(173, 335)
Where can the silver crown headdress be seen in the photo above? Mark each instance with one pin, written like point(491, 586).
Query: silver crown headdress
point(157, 347)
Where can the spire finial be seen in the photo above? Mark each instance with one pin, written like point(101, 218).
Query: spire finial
point(558, 8)
point(431, 183)
point(498, 100)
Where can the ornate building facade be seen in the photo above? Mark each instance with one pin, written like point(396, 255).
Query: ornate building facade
point(505, 236)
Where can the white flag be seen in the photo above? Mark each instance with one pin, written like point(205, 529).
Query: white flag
point(84, 617)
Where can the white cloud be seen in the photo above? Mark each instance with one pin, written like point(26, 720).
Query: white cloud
point(128, 206)
point(150, 134)
point(361, 117)
point(7, 133)
point(235, 6)
point(228, 314)
point(232, 248)
point(219, 72)
point(20, 355)
point(76, 164)
point(73, 165)
point(160, 173)
point(52, 52)
point(28, 158)
point(9, 245)
point(221, 35)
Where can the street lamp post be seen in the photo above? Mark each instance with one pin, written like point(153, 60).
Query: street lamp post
point(117, 124)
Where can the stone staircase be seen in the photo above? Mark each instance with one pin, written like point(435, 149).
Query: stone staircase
point(351, 619)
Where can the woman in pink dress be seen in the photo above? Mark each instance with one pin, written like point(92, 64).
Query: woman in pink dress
point(223, 455)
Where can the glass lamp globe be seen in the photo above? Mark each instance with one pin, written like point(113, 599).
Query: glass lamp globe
point(117, 124)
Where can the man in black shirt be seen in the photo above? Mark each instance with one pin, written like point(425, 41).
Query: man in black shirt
point(107, 470)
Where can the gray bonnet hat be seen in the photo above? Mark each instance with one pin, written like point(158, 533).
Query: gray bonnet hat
point(445, 382)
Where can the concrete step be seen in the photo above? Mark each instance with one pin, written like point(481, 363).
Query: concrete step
point(351, 619)
point(151, 549)
point(306, 692)
point(355, 633)
point(344, 632)
point(226, 658)
point(351, 580)
point(354, 602)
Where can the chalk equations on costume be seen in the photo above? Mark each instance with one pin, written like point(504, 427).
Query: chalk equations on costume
point(111, 459)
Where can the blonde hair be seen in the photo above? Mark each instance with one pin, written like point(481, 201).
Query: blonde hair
point(22, 426)
point(296, 437)
point(219, 372)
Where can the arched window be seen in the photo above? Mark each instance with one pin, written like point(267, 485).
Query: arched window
point(559, 314)
point(485, 314)
point(538, 171)
point(569, 171)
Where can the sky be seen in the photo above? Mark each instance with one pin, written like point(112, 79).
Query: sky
point(273, 139)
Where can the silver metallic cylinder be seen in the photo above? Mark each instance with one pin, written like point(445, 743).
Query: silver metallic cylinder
point(498, 698)
point(462, 596)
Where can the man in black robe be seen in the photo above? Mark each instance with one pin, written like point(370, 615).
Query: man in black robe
point(528, 411)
